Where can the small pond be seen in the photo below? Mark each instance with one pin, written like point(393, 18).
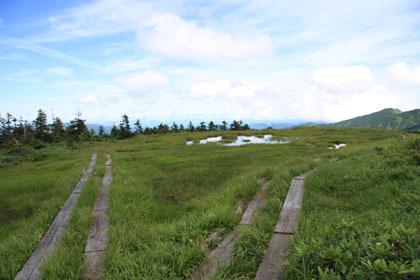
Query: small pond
point(243, 140)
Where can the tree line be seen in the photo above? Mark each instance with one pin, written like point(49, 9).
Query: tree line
point(38, 131)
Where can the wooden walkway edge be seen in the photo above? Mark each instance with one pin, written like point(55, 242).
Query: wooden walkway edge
point(276, 254)
point(222, 255)
point(95, 250)
point(48, 244)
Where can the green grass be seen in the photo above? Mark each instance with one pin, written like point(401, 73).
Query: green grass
point(67, 260)
point(360, 216)
point(31, 194)
point(167, 197)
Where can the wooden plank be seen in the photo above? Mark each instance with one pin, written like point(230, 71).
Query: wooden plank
point(222, 255)
point(288, 221)
point(48, 244)
point(95, 250)
point(276, 255)
point(257, 201)
point(219, 257)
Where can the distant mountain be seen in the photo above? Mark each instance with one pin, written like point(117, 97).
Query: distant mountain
point(311, 124)
point(385, 119)
point(95, 127)
point(270, 124)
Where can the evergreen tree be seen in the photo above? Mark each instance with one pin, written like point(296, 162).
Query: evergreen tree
point(211, 126)
point(114, 131)
point(224, 125)
point(202, 126)
point(125, 129)
point(174, 128)
point(191, 127)
point(139, 129)
point(101, 130)
point(58, 130)
point(163, 128)
point(235, 125)
point(181, 127)
point(41, 127)
point(77, 126)
point(3, 126)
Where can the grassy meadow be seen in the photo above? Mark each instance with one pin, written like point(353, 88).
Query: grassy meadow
point(167, 197)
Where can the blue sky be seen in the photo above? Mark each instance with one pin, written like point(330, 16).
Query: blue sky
point(325, 60)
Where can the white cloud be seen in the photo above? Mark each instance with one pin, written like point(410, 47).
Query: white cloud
point(90, 99)
point(324, 100)
point(401, 72)
point(61, 71)
point(179, 39)
point(225, 88)
point(142, 83)
point(343, 79)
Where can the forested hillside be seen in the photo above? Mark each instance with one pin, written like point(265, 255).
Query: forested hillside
point(385, 119)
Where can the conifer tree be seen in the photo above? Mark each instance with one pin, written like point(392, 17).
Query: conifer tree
point(41, 127)
point(174, 128)
point(139, 128)
point(224, 125)
point(101, 130)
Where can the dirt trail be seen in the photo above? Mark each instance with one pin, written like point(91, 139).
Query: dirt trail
point(222, 255)
point(48, 244)
point(95, 250)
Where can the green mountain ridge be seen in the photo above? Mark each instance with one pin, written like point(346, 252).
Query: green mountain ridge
point(388, 118)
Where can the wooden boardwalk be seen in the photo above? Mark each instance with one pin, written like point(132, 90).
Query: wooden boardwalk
point(276, 255)
point(48, 244)
point(95, 250)
point(222, 255)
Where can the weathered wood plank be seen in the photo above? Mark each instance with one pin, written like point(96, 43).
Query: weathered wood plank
point(276, 255)
point(95, 250)
point(48, 244)
point(256, 202)
point(222, 255)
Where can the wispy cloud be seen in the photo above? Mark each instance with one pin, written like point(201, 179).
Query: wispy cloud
point(61, 71)
point(22, 44)
point(25, 75)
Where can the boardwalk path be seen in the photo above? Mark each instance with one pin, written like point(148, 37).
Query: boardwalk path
point(286, 226)
point(48, 244)
point(95, 250)
point(276, 255)
point(222, 255)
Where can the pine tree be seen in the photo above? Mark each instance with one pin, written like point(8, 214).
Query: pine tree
point(211, 126)
point(125, 129)
point(174, 128)
point(139, 128)
point(77, 126)
point(41, 127)
point(114, 131)
point(202, 126)
point(191, 127)
point(58, 130)
point(101, 130)
point(181, 127)
point(235, 125)
point(224, 125)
